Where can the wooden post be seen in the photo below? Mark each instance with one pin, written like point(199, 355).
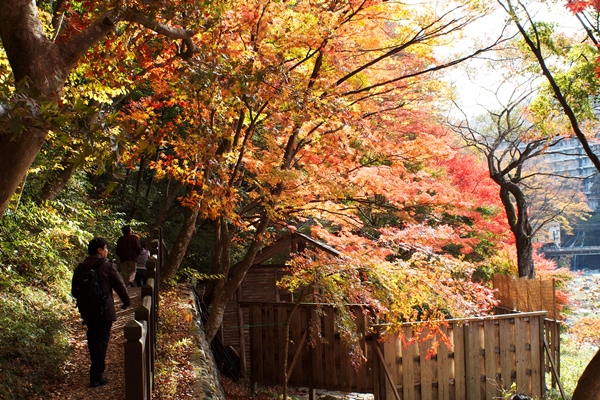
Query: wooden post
point(146, 313)
point(538, 356)
point(243, 361)
point(388, 374)
point(158, 250)
point(135, 379)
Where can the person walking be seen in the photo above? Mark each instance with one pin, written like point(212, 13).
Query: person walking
point(128, 250)
point(140, 271)
point(98, 320)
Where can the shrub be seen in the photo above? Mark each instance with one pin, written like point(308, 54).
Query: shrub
point(33, 340)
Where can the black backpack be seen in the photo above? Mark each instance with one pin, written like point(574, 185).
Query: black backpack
point(91, 298)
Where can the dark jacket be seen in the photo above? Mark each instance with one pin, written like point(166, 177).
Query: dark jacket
point(128, 247)
point(110, 280)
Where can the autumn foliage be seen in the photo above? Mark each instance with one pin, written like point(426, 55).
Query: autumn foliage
point(290, 116)
point(580, 7)
point(276, 116)
point(577, 6)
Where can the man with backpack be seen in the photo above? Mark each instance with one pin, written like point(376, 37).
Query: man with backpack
point(92, 285)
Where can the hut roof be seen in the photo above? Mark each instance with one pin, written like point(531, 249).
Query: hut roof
point(286, 242)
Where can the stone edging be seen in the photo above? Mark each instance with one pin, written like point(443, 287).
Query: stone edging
point(208, 379)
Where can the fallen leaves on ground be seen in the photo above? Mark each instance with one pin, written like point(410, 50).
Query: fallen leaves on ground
point(174, 378)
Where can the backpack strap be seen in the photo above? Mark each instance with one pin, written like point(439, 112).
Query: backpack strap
point(98, 263)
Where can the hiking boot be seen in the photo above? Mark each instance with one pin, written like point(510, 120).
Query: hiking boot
point(101, 382)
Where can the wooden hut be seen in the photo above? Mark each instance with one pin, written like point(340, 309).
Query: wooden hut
point(259, 285)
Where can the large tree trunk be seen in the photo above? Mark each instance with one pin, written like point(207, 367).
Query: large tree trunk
point(518, 220)
point(188, 228)
point(588, 386)
point(525, 265)
point(16, 157)
point(221, 257)
point(45, 65)
point(171, 196)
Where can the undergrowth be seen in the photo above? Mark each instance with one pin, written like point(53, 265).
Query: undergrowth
point(175, 345)
point(33, 340)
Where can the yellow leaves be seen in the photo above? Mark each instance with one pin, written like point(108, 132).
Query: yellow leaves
point(422, 287)
point(94, 90)
point(104, 94)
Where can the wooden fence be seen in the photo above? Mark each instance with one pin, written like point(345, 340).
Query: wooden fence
point(485, 356)
point(140, 334)
point(527, 295)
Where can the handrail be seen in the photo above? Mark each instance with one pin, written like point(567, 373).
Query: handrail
point(249, 303)
point(141, 333)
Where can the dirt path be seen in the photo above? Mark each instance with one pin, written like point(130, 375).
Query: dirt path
point(76, 385)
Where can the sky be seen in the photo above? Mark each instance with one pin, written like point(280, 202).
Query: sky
point(474, 83)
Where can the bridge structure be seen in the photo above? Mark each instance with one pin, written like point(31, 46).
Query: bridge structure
point(558, 252)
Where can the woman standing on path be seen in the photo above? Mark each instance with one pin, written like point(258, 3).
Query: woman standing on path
point(140, 270)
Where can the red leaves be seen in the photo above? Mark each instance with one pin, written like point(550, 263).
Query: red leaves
point(577, 6)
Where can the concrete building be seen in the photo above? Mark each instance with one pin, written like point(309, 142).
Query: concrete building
point(569, 159)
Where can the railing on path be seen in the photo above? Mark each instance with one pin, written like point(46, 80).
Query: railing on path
point(140, 347)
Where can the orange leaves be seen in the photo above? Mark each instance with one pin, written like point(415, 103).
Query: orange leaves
point(289, 110)
point(422, 287)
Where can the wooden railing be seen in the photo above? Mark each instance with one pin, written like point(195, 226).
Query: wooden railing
point(482, 356)
point(140, 334)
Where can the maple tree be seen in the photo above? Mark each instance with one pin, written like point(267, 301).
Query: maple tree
point(532, 197)
point(275, 115)
point(41, 61)
point(289, 115)
point(267, 117)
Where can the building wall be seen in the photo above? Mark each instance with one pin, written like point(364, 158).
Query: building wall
point(568, 158)
point(259, 285)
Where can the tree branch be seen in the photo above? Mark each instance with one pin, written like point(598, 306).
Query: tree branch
point(537, 52)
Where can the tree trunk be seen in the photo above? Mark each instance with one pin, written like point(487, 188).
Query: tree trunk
point(226, 287)
point(45, 65)
point(523, 232)
point(221, 257)
point(138, 188)
point(57, 183)
point(16, 156)
point(188, 228)
point(171, 196)
point(588, 385)
point(518, 220)
point(524, 256)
